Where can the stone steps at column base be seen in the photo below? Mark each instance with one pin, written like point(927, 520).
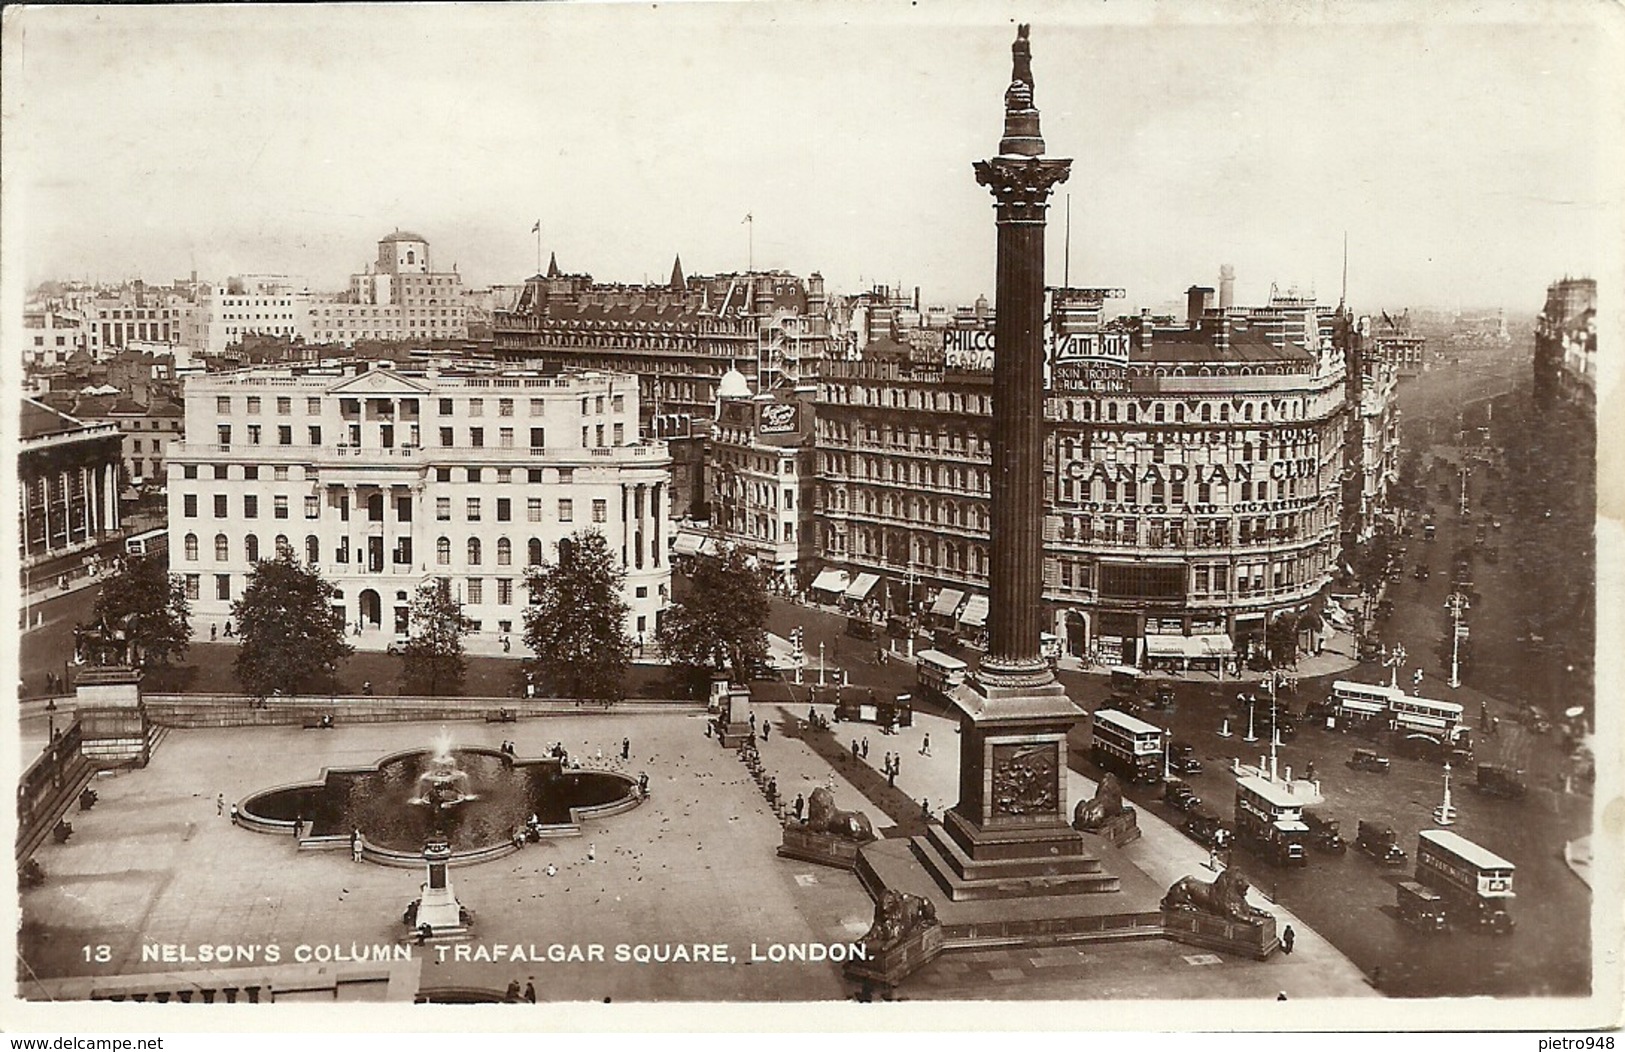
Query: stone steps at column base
point(965, 879)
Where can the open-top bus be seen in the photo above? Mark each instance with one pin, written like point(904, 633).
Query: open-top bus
point(1475, 883)
point(1127, 746)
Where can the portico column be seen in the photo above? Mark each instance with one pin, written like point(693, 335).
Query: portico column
point(654, 512)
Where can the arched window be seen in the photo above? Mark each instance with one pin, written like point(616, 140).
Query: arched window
point(473, 551)
point(1224, 412)
point(1179, 413)
point(191, 547)
point(1247, 411)
point(533, 553)
point(1111, 412)
point(313, 549)
point(1133, 412)
point(251, 548)
point(222, 548)
point(1207, 414)
point(283, 547)
point(1161, 414)
point(504, 552)
point(442, 551)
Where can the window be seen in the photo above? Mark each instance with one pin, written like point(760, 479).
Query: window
point(253, 405)
point(474, 474)
point(189, 471)
point(251, 506)
point(504, 591)
point(445, 407)
point(222, 405)
point(403, 509)
point(445, 440)
point(600, 510)
point(476, 437)
point(504, 509)
point(284, 406)
point(476, 407)
point(190, 546)
point(315, 434)
point(279, 473)
point(504, 476)
point(533, 552)
point(473, 509)
point(566, 476)
point(192, 586)
point(189, 505)
point(313, 506)
point(442, 474)
point(251, 548)
point(533, 509)
point(538, 406)
point(505, 407)
point(504, 552)
point(222, 586)
point(505, 438)
point(222, 548)
point(313, 549)
point(253, 434)
point(279, 507)
point(220, 511)
point(222, 471)
point(566, 510)
point(313, 407)
point(442, 509)
point(341, 553)
point(284, 435)
point(619, 403)
point(619, 432)
point(476, 590)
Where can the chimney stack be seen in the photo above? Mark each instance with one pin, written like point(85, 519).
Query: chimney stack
point(1227, 287)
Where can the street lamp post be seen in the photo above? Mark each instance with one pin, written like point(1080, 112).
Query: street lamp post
point(1457, 603)
point(1251, 737)
point(1445, 813)
point(1396, 658)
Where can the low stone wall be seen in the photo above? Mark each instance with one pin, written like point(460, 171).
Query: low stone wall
point(241, 710)
point(1256, 940)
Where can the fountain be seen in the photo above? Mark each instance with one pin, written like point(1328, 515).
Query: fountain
point(470, 797)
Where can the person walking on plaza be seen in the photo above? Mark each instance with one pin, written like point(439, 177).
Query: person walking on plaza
point(801, 805)
point(511, 995)
point(765, 726)
point(1288, 937)
point(355, 845)
point(925, 746)
point(626, 748)
point(530, 990)
point(213, 630)
point(865, 748)
point(857, 750)
point(220, 804)
point(228, 629)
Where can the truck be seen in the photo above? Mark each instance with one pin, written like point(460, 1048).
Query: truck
point(1380, 842)
point(1475, 883)
point(1325, 834)
point(1420, 907)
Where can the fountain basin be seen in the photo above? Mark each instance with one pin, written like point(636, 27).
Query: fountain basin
point(499, 793)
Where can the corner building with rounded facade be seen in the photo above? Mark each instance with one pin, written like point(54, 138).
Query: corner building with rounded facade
point(1195, 478)
point(387, 479)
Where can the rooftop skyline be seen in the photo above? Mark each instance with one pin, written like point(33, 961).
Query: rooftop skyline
point(1463, 154)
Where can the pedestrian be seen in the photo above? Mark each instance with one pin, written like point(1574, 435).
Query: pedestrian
point(626, 748)
point(233, 814)
point(643, 784)
point(1288, 937)
point(228, 629)
point(220, 804)
point(592, 852)
point(355, 845)
point(213, 629)
point(753, 723)
point(298, 827)
point(801, 805)
point(552, 870)
point(866, 747)
point(891, 777)
point(925, 746)
point(925, 808)
point(765, 725)
point(772, 790)
point(530, 990)
point(857, 750)
point(1309, 770)
point(511, 995)
point(507, 644)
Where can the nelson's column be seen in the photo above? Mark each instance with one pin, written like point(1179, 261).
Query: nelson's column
point(1008, 836)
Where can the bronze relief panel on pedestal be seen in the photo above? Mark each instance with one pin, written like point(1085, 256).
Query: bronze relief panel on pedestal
point(1026, 778)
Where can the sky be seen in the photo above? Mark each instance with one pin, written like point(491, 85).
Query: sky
point(1464, 155)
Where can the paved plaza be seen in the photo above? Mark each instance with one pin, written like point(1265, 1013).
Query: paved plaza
point(153, 864)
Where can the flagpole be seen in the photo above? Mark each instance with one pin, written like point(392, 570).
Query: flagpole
point(538, 246)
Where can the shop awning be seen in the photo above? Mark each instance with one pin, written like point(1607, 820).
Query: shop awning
point(831, 581)
point(947, 603)
point(686, 543)
point(975, 612)
point(1165, 647)
point(859, 589)
point(1215, 645)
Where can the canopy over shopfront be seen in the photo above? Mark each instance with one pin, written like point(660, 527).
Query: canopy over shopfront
point(859, 590)
point(947, 604)
point(1194, 648)
point(687, 542)
point(833, 581)
point(975, 612)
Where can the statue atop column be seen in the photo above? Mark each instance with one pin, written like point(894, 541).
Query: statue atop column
point(1021, 135)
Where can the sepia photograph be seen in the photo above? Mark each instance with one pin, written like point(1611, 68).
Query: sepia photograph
point(971, 516)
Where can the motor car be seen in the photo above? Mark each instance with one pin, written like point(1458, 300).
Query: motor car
point(1204, 825)
point(1324, 833)
point(1381, 843)
point(1180, 796)
point(1182, 758)
point(1421, 573)
point(1369, 760)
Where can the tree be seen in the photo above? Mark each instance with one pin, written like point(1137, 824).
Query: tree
point(288, 634)
point(149, 605)
point(576, 621)
point(721, 622)
point(432, 659)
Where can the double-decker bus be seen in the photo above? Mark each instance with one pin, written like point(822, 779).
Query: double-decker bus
point(1362, 704)
point(1475, 883)
point(1442, 719)
point(1269, 819)
point(1127, 746)
point(938, 674)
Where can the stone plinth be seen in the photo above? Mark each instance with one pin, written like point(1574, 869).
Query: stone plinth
point(437, 908)
point(1255, 939)
point(824, 849)
point(892, 965)
point(111, 716)
point(1119, 829)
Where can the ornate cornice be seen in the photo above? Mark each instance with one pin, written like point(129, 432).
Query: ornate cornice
point(1021, 185)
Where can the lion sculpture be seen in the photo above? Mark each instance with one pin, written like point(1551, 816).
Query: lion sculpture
point(824, 817)
point(1225, 896)
point(897, 916)
point(1106, 804)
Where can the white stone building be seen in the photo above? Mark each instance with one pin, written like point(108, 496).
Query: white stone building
point(385, 479)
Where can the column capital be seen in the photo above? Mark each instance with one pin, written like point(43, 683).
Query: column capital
point(1021, 185)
